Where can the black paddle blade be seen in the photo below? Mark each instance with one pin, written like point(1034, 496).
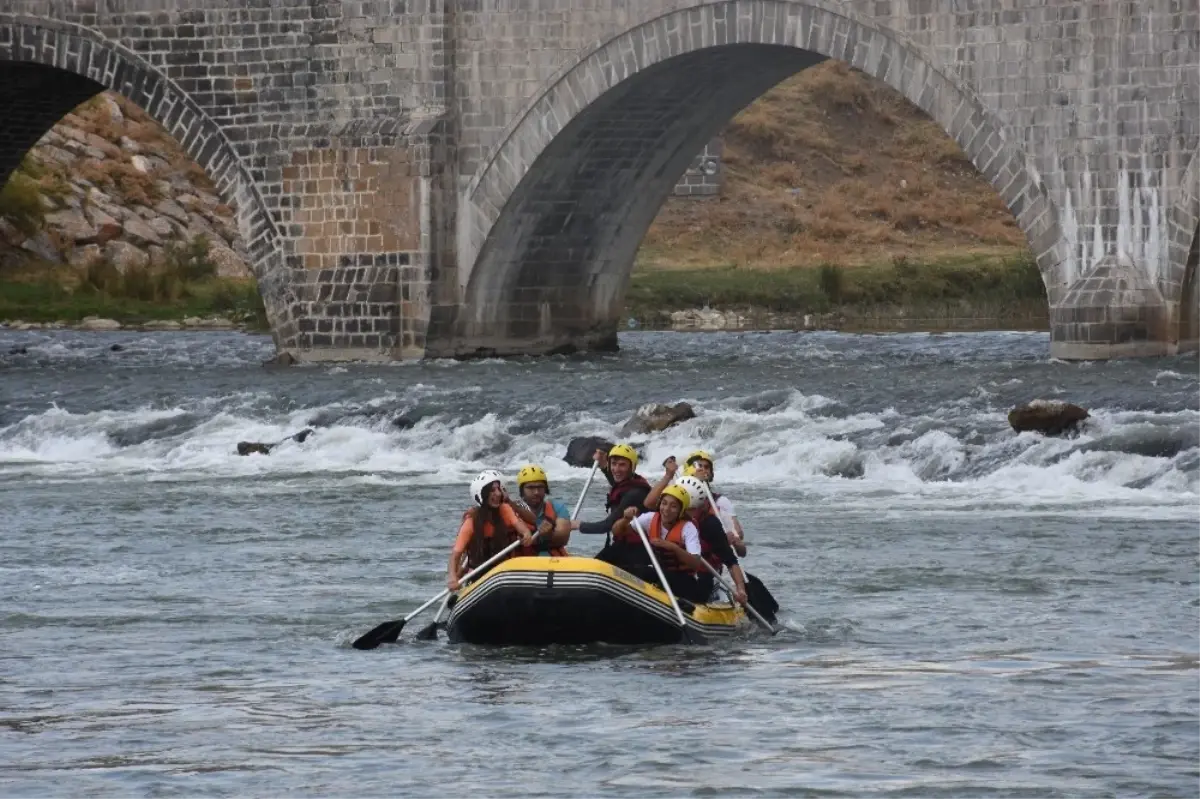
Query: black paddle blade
point(385, 633)
point(428, 632)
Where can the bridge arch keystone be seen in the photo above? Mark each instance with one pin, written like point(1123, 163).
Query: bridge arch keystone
point(550, 223)
point(72, 63)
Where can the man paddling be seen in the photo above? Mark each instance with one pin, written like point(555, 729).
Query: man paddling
point(547, 516)
point(628, 490)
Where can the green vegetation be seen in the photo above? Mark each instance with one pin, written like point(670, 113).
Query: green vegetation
point(184, 284)
point(21, 198)
point(974, 286)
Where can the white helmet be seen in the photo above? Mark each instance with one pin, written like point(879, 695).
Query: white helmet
point(694, 487)
point(485, 479)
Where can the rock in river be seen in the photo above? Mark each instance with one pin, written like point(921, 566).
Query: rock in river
point(652, 418)
point(1049, 417)
point(581, 450)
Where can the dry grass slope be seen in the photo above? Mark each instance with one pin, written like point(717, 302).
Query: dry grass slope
point(832, 166)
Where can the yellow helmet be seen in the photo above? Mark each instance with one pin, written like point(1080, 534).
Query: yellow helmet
point(689, 470)
point(680, 493)
point(701, 455)
point(624, 451)
point(532, 474)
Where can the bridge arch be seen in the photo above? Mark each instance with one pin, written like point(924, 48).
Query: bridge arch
point(551, 221)
point(47, 68)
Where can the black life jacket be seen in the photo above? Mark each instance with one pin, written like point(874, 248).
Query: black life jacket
point(619, 490)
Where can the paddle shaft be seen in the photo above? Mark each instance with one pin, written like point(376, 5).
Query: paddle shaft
point(583, 493)
point(658, 570)
point(729, 590)
point(442, 609)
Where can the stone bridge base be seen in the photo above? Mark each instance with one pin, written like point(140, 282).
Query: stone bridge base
point(1113, 311)
point(372, 310)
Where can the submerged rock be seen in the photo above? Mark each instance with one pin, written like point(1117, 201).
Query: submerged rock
point(1049, 417)
point(653, 418)
point(261, 448)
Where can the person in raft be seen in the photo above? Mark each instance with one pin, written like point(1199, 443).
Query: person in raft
point(627, 489)
point(715, 545)
point(701, 464)
point(547, 516)
point(486, 529)
point(675, 540)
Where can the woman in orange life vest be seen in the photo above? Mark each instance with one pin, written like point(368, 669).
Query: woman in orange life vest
point(628, 490)
point(486, 529)
point(675, 539)
point(548, 516)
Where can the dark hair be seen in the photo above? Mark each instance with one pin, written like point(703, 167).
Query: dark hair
point(483, 547)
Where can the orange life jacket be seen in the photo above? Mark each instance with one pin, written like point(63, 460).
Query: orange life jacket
point(489, 530)
point(675, 536)
point(552, 517)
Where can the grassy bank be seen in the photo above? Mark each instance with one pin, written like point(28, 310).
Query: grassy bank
point(184, 285)
point(963, 292)
point(47, 301)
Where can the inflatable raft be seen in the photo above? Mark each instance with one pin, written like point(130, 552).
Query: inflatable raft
point(536, 601)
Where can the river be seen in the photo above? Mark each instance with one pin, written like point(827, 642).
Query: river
point(968, 611)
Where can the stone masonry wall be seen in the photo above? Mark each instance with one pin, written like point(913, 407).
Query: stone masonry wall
point(1100, 98)
point(703, 176)
point(273, 98)
point(1096, 92)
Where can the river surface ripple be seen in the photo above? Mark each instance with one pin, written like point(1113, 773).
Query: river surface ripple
point(969, 612)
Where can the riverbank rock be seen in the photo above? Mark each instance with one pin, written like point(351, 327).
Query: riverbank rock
point(1049, 417)
point(97, 323)
point(581, 450)
point(653, 418)
point(109, 175)
point(707, 319)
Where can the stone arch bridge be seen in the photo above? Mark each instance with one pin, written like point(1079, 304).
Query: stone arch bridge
point(425, 178)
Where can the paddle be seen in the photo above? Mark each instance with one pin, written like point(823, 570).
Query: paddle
point(389, 631)
point(729, 590)
point(429, 631)
point(583, 493)
point(251, 447)
point(727, 524)
point(662, 578)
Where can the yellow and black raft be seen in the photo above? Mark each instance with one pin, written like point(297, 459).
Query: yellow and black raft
point(536, 601)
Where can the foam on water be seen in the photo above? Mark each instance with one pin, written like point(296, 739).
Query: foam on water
point(808, 443)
